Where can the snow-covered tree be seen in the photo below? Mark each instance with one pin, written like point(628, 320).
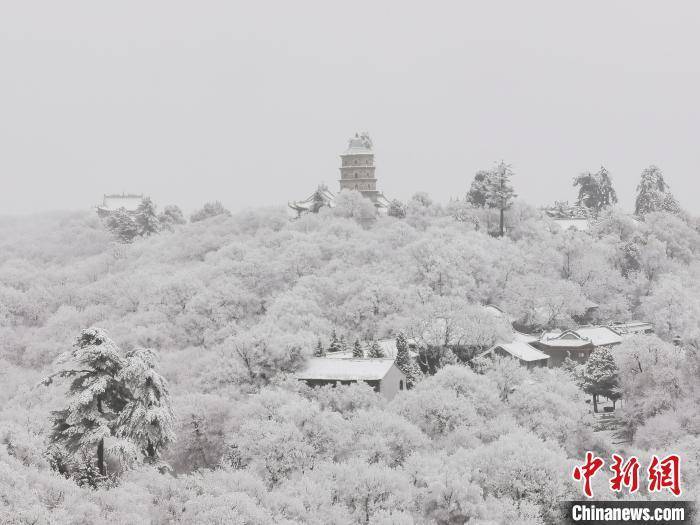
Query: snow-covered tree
point(600, 376)
point(147, 418)
point(146, 218)
point(210, 209)
point(171, 216)
point(405, 362)
point(335, 345)
point(122, 225)
point(653, 194)
point(357, 351)
point(397, 209)
point(96, 395)
point(374, 350)
point(595, 190)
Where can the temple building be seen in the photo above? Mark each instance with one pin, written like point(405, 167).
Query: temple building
point(357, 172)
point(112, 202)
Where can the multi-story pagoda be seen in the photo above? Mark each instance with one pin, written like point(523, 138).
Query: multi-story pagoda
point(356, 173)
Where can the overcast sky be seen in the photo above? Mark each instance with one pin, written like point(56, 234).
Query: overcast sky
point(251, 103)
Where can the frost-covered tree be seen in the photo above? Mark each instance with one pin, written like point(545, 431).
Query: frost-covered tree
point(210, 209)
point(357, 351)
point(122, 225)
point(478, 190)
point(147, 418)
point(335, 345)
point(493, 189)
point(405, 362)
point(653, 194)
point(146, 218)
point(96, 395)
point(319, 351)
point(397, 209)
point(171, 216)
point(600, 376)
point(374, 350)
point(595, 190)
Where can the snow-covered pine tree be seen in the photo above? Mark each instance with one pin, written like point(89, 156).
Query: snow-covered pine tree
point(405, 362)
point(95, 395)
point(147, 419)
point(375, 351)
point(357, 351)
point(146, 219)
point(319, 351)
point(335, 343)
point(600, 376)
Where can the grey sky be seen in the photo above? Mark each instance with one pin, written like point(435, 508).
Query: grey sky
point(251, 103)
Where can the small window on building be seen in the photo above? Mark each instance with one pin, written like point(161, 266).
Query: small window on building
point(401, 384)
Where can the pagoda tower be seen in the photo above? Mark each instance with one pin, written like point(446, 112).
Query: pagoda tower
point(357, 167)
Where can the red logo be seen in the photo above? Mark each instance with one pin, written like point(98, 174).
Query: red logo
point(662, 474)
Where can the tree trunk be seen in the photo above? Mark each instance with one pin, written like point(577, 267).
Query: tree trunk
point(101, 457)
point(595, 403)
point(500, 229)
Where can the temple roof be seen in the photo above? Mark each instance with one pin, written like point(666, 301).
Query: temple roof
point(360, 144)
point(522, 351)
point(321, 368)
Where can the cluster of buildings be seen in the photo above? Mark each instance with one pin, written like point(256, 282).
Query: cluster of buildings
point(550, 349)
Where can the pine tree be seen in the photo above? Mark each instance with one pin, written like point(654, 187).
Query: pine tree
point(343, 344)
point(320, 351)
point(146, 219)
point(375, 350)
point(147, 419)
point(405, 362)
point(600, 376)
point(95, 395)
point(653, 194)
point(357, 351)
point(595, 190)
point(335, 343)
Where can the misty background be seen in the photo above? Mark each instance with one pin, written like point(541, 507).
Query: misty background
point(251, 103)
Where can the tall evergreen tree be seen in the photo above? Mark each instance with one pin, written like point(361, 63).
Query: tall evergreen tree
point(319, 351)
point(95, 396)
point(375, 350)
point(335, 343)
point(357, 351)
point(146, 218)
point(600, 376)
point(405, 362)
point(653, 194)
point(493, 189)
point(595, 190)
point(147, 419)
point(478, 189)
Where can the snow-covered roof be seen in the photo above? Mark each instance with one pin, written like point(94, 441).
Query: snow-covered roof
point(326, 197)
point(632, 327)
point(566, 339)
point(599, 335)
point(522, 351)
point(360, 144)
point(322, 368)
point(523, 338)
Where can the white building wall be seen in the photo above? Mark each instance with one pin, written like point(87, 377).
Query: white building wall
point(390, 385)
